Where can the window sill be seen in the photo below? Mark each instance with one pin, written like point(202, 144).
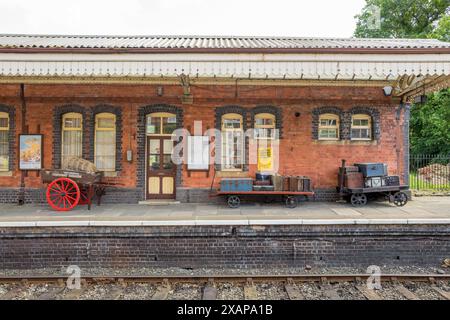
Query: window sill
point(110, 174)
point(6, 173)
point(347, 142)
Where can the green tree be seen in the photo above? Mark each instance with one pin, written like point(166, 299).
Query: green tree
point(442, 31)
point(430, 125)
point(403, 19)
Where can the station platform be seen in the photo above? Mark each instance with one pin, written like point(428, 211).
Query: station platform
point(422, 210)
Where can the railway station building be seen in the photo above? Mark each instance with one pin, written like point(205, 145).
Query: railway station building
point(126, 103)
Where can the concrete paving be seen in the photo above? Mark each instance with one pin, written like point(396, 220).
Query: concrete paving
point(420, 210)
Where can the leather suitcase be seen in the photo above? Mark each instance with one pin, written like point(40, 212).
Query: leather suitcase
point(300, 184)
point(306, 184)
point(286, 183)
point(354, 180)
point(277, 182)
point(293, 183)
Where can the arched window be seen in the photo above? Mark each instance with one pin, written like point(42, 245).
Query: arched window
point(72, 136)
point(328, 126)
point(232, 142)
point(361, 127)
point(105, 141)
point(264, 135)
point(4, 141)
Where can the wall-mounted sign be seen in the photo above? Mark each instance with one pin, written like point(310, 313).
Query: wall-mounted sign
point(30, 151)
point(198, 153)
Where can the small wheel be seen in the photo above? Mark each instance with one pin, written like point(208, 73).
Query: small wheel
point(63, 194)
point(234, 202)
point(400, 199)
point(291, 202)
point(358, 199)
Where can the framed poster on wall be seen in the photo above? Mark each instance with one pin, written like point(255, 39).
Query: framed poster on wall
point(198, 153)
point(30, 151)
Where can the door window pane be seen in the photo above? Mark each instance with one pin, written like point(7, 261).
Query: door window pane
point(169, 125)
point(153, 125)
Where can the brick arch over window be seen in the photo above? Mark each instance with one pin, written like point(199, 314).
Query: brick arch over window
point(10, 110)
point(117, 111)
point(272, 110)
point(141, 140)
point(220, 111)
point(58, 113)
point(374, 116)
point(343, 132)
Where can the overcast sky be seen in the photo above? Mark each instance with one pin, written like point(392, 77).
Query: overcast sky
point(319, 18)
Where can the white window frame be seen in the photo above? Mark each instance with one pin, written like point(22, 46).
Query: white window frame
point(5, 115)
point(368, 126)
point(329, 116)
point(225, 132)
point(105, 115)
point(74, 115)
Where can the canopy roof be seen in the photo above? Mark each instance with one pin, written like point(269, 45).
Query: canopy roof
point(407, 63)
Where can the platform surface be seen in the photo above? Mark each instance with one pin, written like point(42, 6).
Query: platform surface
point(422, 210)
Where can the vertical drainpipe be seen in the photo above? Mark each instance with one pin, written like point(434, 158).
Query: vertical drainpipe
point(407, 115)
point(405, 141)
point(21, 198)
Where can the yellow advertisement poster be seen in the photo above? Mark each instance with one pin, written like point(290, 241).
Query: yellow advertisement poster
point(265, 159)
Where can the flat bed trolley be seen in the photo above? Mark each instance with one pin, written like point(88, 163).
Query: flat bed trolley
point(291, 201)
point(358, 197)
point(68, 188)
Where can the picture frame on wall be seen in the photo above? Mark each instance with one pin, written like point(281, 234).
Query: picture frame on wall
point(30, 151)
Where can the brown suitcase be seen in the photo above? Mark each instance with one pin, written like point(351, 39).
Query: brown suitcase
point(306, 184)
point(277, 182)
point(349, 169)
point(354, 180)
point(300, 184)
point(293, 183)
point(286, 183)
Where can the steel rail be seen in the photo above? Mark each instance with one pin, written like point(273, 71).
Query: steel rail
point(230, 278)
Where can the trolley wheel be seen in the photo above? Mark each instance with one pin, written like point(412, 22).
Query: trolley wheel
point(400, 199)
point(291, 202)
point(358, 199)
point(234, 202)
point(63, 194)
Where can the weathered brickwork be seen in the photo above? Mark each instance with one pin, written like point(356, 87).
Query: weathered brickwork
point(225, 246)
point(296, 110)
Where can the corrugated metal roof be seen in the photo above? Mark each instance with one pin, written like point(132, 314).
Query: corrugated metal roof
point(20, 41)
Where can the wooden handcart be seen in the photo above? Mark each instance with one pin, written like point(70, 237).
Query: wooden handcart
point(358, 197)
point(68, 188)
point(290, 197)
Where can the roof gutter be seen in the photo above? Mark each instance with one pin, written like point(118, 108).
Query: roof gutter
point(231, 50)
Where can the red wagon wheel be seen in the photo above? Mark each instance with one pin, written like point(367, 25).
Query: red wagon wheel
point(63, 194)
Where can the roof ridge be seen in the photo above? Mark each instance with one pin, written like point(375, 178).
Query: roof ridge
point(212, 37)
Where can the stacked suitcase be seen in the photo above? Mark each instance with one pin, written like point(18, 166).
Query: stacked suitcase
point(368, 175)
point(291, 183)
point(375, 175)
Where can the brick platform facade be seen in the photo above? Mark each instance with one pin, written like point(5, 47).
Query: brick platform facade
point(225, 246)
point(296, 110)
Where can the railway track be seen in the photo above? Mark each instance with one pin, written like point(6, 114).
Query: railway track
point(236, 287)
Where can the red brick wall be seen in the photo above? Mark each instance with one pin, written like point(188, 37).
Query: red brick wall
point(299, 153)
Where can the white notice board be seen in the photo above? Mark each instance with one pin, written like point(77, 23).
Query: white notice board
point(198, 153)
